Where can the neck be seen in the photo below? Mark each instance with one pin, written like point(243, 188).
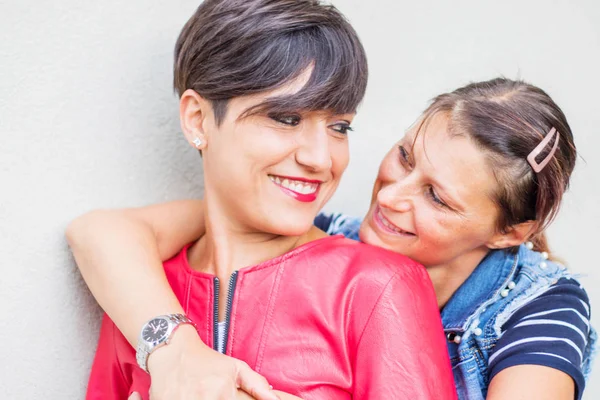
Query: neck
point(227, 246)
point(448, 277)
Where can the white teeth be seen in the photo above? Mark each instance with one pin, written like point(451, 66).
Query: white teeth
point(389, 225)
point(296, 186)
point(304, 189)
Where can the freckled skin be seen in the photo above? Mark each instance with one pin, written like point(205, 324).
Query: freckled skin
point(457, 172)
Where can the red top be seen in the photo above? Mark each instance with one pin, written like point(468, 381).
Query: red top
point(332, 319)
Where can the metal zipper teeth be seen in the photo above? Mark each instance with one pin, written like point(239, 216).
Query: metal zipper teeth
point(232, 284)
point(216, 316)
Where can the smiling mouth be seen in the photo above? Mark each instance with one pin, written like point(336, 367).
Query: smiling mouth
point(388, 226)
point(303, 190)
point(300, 187)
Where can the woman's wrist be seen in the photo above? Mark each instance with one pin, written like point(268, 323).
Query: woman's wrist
point(181, 340)
point(188, 359)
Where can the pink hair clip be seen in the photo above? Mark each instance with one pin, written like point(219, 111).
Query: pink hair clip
point(531, 157)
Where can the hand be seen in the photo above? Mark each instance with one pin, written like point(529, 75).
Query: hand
point(240, 395)
point(188, 369)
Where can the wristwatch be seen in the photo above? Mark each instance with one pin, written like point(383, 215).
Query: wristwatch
point(157, 333)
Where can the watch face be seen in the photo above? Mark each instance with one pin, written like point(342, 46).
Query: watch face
point(155, 330)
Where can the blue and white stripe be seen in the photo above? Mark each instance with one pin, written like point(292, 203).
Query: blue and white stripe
point(551, 330)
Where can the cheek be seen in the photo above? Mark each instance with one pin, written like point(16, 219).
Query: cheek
point(376, 189)
point(340, 156)
point(449, 235)
point(238, 160)
point(442, 232)
point(265, 145)
point(433, 228)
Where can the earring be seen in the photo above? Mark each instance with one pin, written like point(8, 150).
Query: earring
point(197, 142)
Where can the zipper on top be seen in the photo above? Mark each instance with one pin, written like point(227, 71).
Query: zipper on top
point(216, 315)
point(232, 284)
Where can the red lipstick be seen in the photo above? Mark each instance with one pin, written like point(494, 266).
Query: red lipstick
point(306, 191)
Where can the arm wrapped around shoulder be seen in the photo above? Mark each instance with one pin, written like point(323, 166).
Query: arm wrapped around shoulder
point(400, 350)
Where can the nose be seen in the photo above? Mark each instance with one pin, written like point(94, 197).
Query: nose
point(398, 196)
point(313, 148)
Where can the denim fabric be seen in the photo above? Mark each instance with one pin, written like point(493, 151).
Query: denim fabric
point(478, 306)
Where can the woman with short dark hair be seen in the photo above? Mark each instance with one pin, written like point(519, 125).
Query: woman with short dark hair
point(264, 97)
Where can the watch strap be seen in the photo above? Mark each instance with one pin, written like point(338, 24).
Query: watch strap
point(144, 349)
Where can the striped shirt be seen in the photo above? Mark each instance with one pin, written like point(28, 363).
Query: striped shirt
point(551, 330)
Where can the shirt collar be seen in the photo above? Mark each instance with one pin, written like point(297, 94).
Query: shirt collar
point(490, 277)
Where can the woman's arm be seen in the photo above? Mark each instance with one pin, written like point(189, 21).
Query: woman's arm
point(119, 254)
point(525, 382)
point(543, 346)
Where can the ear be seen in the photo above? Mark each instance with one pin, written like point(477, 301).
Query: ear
point(194, 114)
point(513, 236)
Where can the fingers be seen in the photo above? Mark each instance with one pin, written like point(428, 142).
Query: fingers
point(241, 395)
point(135, 396)
point(255, 384)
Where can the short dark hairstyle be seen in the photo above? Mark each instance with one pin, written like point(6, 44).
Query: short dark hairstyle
point(232, 48)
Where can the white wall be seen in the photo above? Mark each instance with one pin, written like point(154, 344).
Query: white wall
point(88, 119)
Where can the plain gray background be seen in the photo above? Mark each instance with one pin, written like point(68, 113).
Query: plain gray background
point(88, 120)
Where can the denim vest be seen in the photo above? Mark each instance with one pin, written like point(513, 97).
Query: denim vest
point(474, 315)
point(484, 302)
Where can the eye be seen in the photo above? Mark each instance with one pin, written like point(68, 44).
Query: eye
point(404, 156)
point(342, 128)
point(286, 119)
point(435, 198)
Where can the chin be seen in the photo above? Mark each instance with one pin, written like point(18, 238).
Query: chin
point(369, 236)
